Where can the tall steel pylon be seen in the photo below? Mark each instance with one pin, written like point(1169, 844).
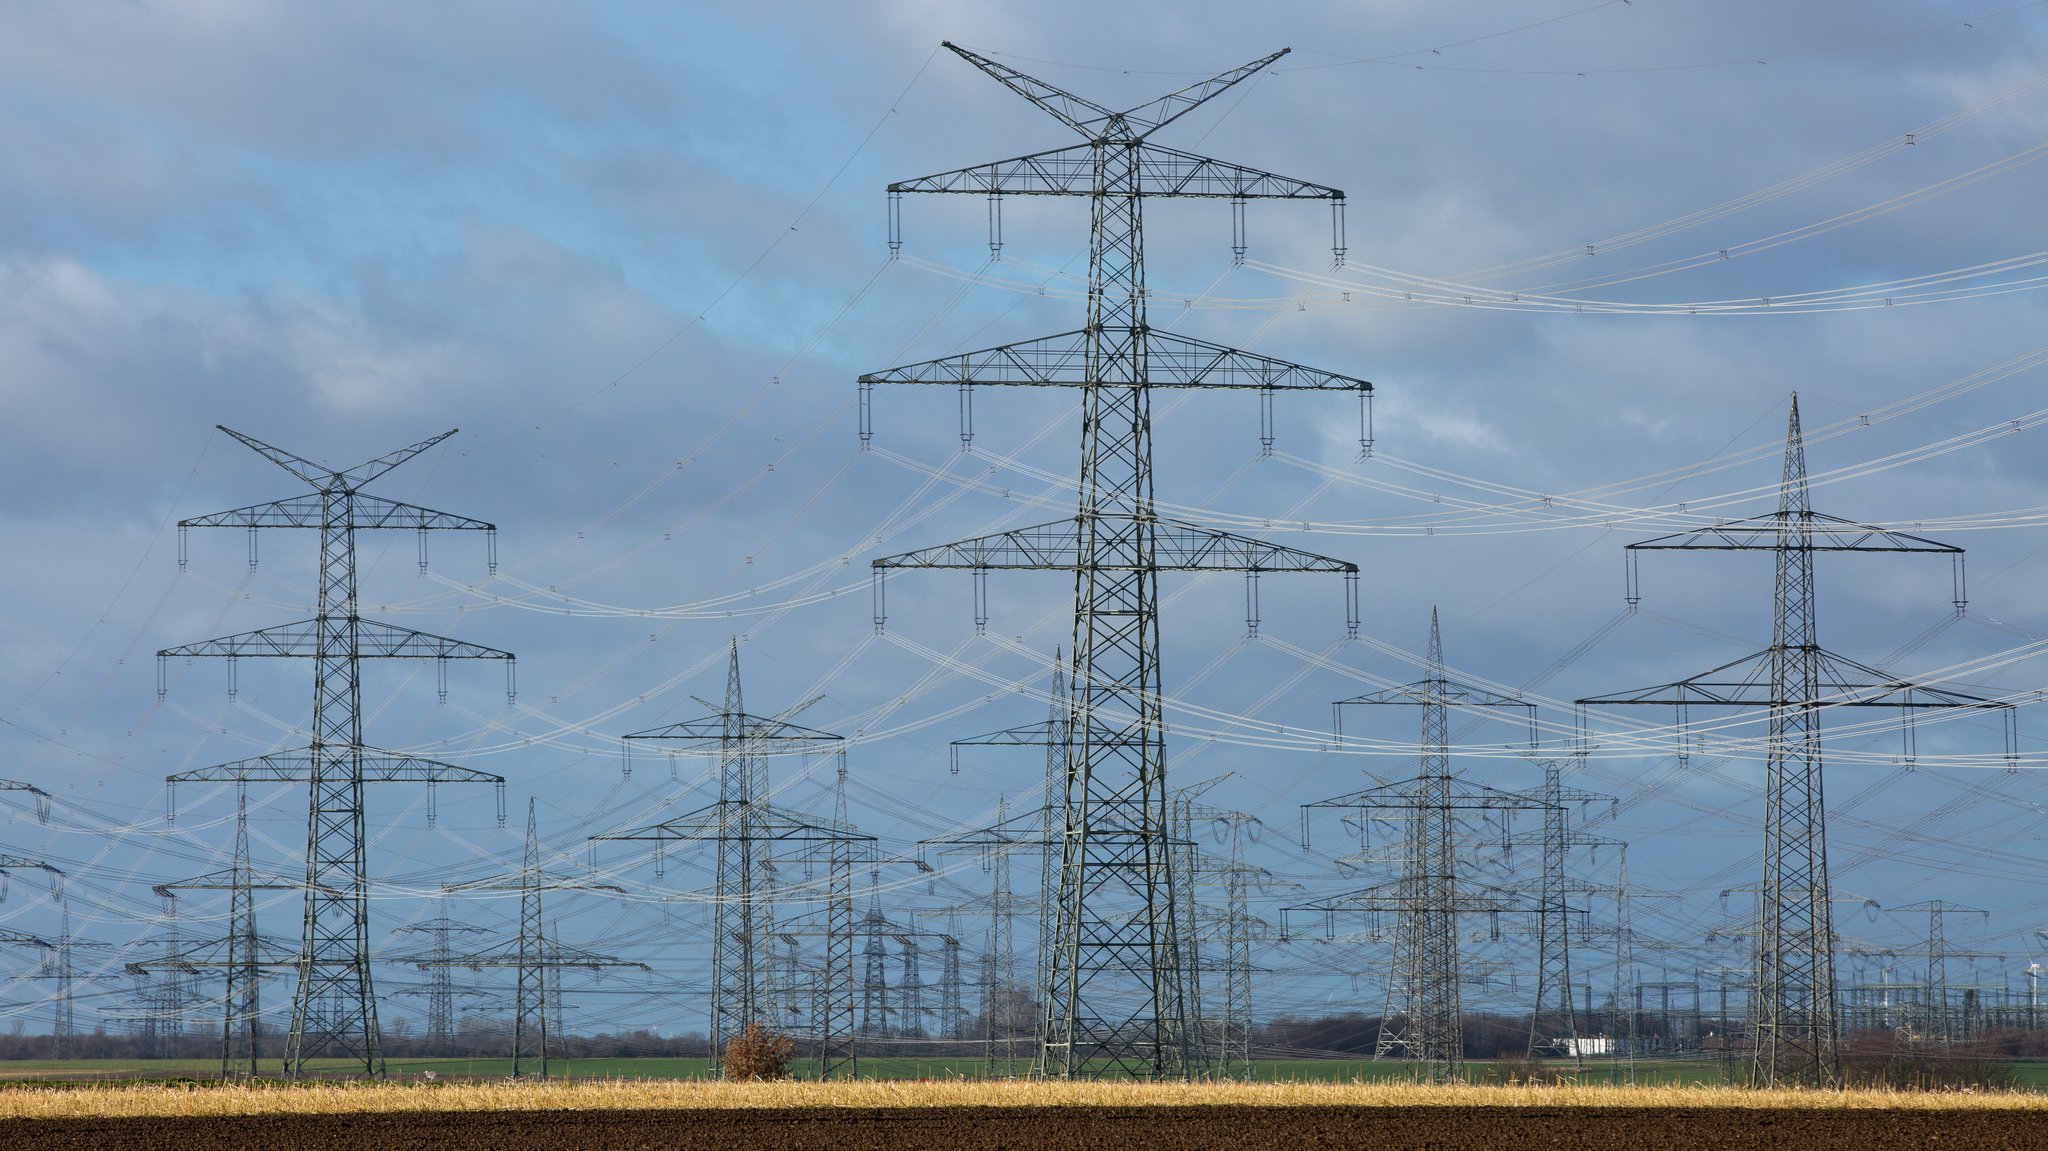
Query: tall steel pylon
point(747, 830)
point(1113, 1004)
point(1794, 1011)
point(1423, 1020)
point(334, 1008)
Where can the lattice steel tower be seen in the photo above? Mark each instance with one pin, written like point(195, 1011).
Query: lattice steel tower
point(746, 831)
point(240, 955)
point(1423, 1020)
point(1113, 1003)
point(1793, 1005)
point(334, 1009)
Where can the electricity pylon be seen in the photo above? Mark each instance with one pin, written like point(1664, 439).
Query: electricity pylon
point(1424, 1018)
point(1794, 1019)
point(1554, 1024)
point(1113, 1004)
point(1034, 828)
point(534, 956)
point(240, 954)
point(1941, 1024)
point(334, 1006)
point(1232, 1058)
point(747, 831)
point(439, 966)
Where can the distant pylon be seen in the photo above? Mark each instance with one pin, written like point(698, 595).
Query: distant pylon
point(1795, 1022)
point(1554, 1023)
point(334, 1007)
point(746, 830)
point(533, 957)
point(874, 984)
point(440, 969)
point(1941, 1024)
point(1423, 1019)
point(1113, 1004)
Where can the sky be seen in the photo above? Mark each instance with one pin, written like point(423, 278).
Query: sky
point(638, 255)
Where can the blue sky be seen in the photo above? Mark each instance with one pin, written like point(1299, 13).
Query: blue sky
point(606, 242)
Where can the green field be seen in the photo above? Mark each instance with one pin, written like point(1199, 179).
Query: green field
point(2033, 1075)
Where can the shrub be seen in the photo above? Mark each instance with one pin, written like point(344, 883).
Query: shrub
point(758, 1053)
point(1518, 1068)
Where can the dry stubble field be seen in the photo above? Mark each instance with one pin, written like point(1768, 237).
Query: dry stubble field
point(886, 1116)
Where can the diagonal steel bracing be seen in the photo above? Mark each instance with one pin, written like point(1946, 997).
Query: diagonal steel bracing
point(535, 957)
point(747, 832)
point(1794, 1010)
point(1113, 1001)
point(334, 1008)
point(1423, 1020)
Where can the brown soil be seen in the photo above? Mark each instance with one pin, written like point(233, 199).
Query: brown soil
point(1058, 1129)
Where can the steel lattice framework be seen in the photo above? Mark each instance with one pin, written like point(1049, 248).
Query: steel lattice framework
point(1794, 1009)
point(241, 956)
point(533, 957)
point(747, 831)
point(1554, 1023)
point(439, 966)
point(1423, 1020)
point(1113, 1002)
point(334, 1008)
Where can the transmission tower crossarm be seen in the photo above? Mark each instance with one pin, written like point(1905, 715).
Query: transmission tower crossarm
point(1394, 896)
point(773, 826)
point(42, 797)
point(297, 767)
point(302, 639)
point(1173, 361)
point(1057, 546)
point(1822, 533)
point(1076, 112)
point(1844, 682)
point(1450, 693)
point(1160, 171)
point(311, 511)
point(758, 730)
point(1458, 794)
point(10, 863)
point(324, 477)
point(1127, 126)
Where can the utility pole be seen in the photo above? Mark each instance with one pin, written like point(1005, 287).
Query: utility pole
point(747, 830)
point(1424, 1016)
point(334, 1008)
point(1795, 1022)
point(1112, 1005)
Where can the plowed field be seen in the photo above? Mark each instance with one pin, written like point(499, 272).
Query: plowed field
point(1057, 1129)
